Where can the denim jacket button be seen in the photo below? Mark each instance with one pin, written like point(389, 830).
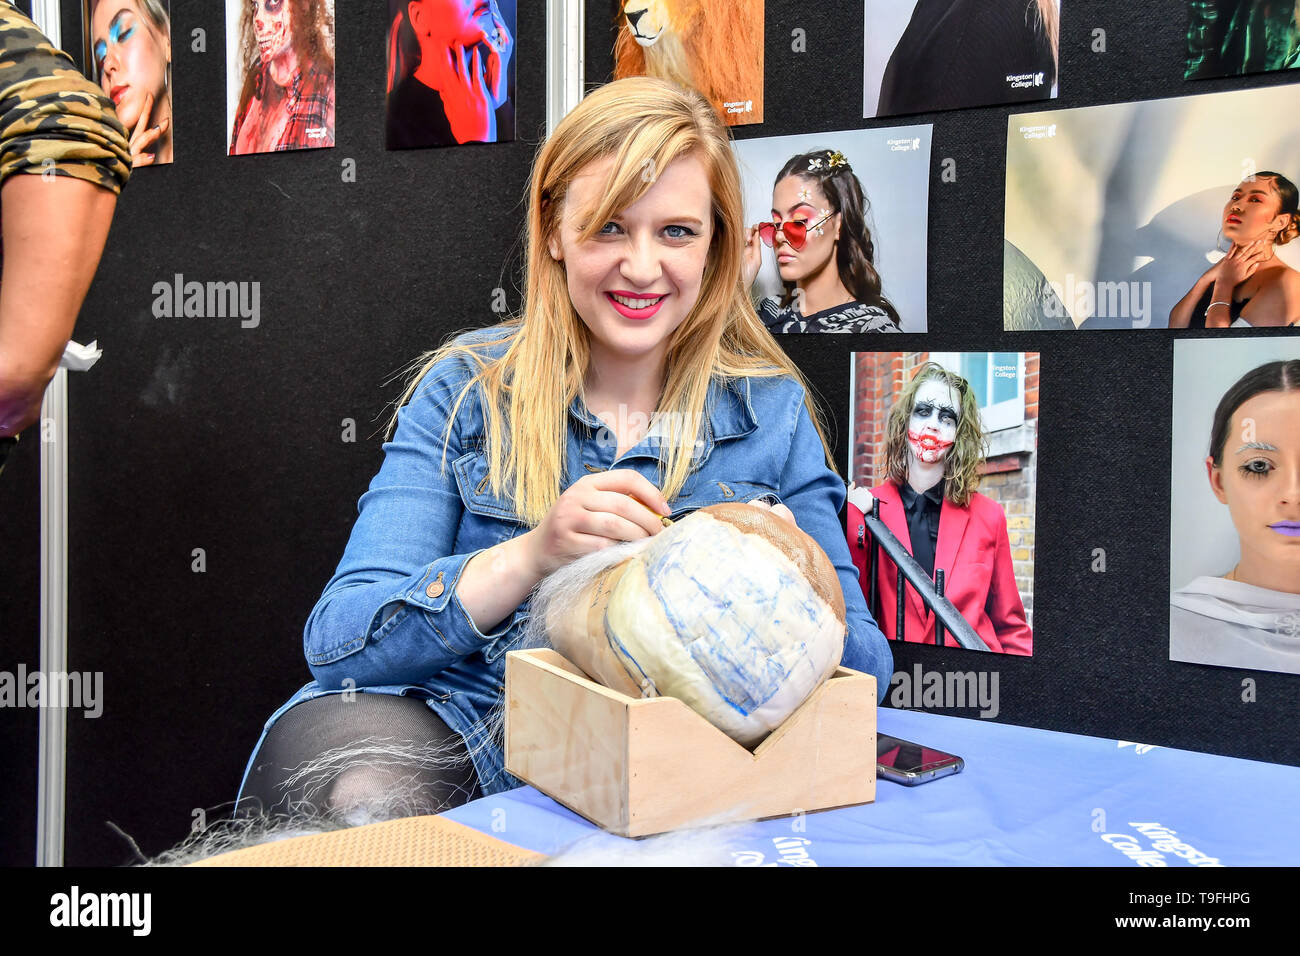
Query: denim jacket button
point(435, 587)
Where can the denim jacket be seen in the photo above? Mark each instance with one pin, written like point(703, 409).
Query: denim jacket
point(390, 620)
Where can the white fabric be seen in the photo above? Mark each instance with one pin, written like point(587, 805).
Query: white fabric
point(1230, 624)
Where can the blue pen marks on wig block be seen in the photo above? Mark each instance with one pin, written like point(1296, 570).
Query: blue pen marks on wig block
point(731, 622)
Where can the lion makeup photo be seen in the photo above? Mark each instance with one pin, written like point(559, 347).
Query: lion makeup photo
point(714, 47)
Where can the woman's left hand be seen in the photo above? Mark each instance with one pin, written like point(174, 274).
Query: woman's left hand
point(781, 511)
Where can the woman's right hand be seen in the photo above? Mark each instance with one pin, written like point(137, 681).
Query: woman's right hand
point(753, 256)
point(465, 100)
point(595, 512)
point(1242, 260)
point(860, 498)
point(144, 136)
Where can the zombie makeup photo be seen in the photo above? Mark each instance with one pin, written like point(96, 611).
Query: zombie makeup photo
point(129, 53)
point(1235, 504)
point(924, 55)
point(714, 46)
point(451, 72)
point(280, 75)
point(946, 444)
point(1236, 37)
point(1154, 214)
point(1250, 286)
point(837, 233)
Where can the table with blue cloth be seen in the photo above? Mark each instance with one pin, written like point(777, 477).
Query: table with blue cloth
point(1025, 798)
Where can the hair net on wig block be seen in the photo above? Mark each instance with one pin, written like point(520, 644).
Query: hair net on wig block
point(732, 610)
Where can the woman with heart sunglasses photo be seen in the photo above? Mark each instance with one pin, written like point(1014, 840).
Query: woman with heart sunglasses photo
point(824, 250)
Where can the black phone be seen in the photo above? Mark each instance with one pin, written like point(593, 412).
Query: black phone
point(911, 764)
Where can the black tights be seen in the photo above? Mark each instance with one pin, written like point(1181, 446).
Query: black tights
point(403, 760)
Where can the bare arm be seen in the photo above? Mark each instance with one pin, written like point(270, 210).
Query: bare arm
point(1181, 316)
point(54, 233)
point(1277, 304)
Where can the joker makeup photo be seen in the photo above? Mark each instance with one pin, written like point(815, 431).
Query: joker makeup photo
point(920, 450)
point(837, 233)
point(451, 72)
point(280, 75)
point(1242, 606)
point(130, 52)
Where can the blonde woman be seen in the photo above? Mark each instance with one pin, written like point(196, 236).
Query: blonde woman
point(637, 382)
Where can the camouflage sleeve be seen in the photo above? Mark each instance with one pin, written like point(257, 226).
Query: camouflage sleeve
point(52, 117)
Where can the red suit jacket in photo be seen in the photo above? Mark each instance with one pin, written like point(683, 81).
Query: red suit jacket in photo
point(975, 554)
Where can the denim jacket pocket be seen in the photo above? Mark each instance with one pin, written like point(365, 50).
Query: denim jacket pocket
point(475, 488)
point(716, 491)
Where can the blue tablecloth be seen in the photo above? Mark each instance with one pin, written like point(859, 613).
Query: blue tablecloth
point(1026, 797)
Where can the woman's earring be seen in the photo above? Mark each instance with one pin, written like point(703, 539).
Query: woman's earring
point(1218, 243)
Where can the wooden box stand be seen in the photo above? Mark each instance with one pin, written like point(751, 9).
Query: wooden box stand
point(640, 766)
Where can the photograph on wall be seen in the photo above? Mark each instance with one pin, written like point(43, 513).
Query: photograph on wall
point(1236, 37)
point(947, 444)
point(924, 55)
point(714, 46)
point(129, 54)
point(1234, 539)
point(1173, 213)
point(451, 73)
point(837, 229)
point(279, 75)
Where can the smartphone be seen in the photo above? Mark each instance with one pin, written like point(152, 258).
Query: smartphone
point(911, 764)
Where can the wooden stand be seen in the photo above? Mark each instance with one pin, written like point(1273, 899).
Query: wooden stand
point(640, 766)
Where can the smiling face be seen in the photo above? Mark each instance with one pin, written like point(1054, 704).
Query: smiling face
point(796, 198)
point(638, 278)
point(1259, 479)
point(1254, 211)
point(932, 427)
point(271, 28)
point(130, 58)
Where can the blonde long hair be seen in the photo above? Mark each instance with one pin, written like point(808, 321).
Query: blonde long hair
point(645, 124)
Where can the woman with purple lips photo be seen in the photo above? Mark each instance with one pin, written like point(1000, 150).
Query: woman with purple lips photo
point(1250, 616)
point(1250, 286)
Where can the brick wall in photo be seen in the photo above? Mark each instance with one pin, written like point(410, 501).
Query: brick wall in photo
point(1010, 479)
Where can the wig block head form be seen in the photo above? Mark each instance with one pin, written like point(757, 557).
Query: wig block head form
point(638, 766)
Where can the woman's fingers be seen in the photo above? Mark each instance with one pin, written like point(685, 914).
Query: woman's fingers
point(629, 482)
point(780, 510)
point(145, 115)
point(624, 506)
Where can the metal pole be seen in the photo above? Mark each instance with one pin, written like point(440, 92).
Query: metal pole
point(564, 59)
point(52, 742)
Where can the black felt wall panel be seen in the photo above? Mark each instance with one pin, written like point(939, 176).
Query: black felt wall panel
point(196, 433)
